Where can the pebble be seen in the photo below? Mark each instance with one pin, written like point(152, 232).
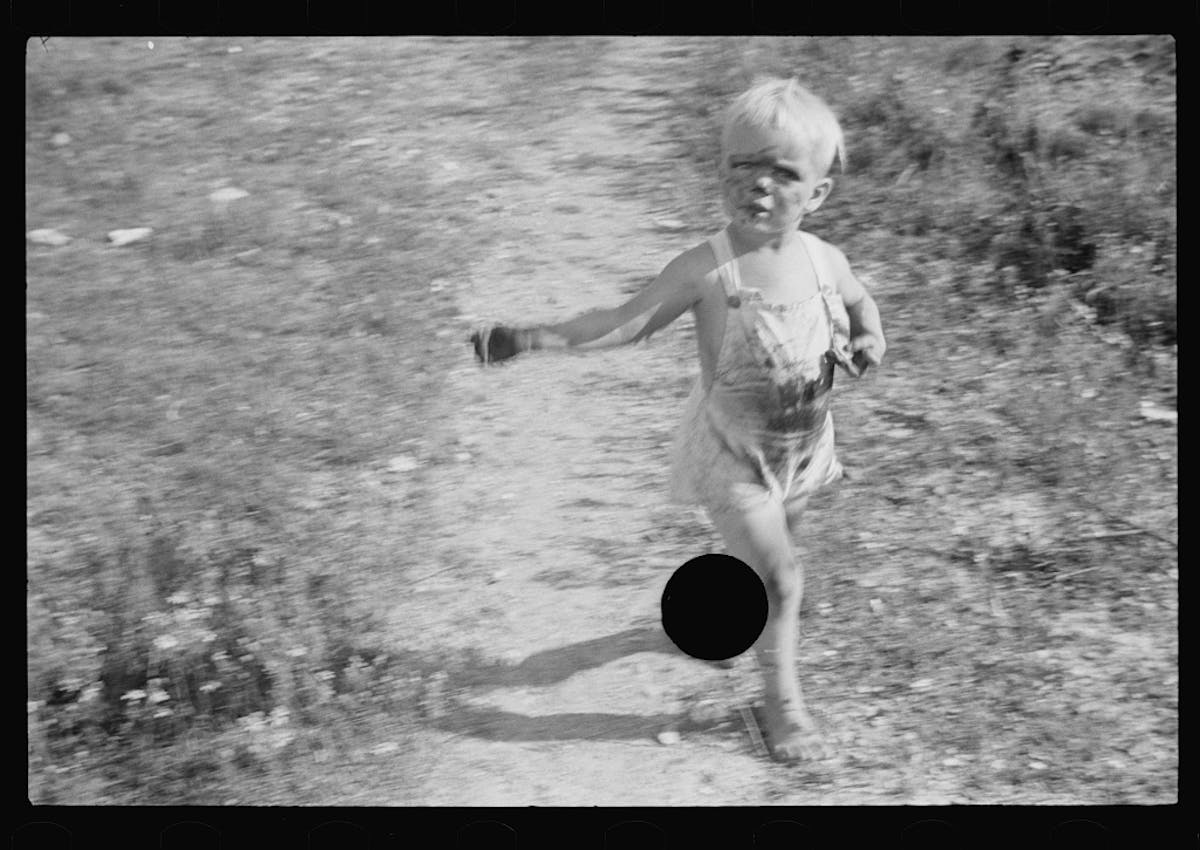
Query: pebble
point(669, 737)
point(403, 463)
point(228, 194)
point(127, 235)
point(876, 605)
point(47, 236)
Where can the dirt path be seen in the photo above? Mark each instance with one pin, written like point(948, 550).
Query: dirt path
point(551, 555)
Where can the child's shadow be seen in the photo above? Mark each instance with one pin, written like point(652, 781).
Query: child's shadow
point(546, 668)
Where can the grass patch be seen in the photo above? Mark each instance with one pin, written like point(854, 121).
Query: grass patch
point(990, 170)
point(210, 416)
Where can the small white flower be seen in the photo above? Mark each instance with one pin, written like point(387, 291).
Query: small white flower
point(158, 695)
point(90, 693)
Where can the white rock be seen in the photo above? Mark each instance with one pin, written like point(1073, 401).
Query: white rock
point(403, 463)
point(668, 737)
point(60, 139)
point(47, 236)
point(1156, 412)
point(126, 235)
point(228, 194)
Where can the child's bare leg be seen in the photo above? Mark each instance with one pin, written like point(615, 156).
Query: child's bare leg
point(760, 537)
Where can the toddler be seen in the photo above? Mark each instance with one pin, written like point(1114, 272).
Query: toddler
point(776, 309)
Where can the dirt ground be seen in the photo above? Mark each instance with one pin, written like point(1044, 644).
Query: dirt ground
point(537, 537)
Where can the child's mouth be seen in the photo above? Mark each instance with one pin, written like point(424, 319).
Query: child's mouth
point(760, 207)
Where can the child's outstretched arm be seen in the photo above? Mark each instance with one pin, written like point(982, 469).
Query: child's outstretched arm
point(675, 290)
point(866, 329)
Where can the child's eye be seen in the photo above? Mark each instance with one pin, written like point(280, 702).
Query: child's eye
point(786, 174)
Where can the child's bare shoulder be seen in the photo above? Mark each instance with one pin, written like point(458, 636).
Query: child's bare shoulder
point(693, 269)
point(831, 254)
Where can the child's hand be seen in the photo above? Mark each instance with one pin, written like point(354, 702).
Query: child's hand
point(500, 343)
point(868, 350)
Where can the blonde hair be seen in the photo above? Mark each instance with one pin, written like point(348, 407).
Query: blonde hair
point(774, 103)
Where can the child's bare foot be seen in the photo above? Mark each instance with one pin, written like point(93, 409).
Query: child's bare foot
point(792, 735)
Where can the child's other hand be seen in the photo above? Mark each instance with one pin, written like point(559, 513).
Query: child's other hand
point(500, 343)
point(867, 350)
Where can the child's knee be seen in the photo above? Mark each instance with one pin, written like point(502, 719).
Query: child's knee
point(782, 579)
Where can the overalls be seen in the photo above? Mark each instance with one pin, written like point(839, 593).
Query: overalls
point(762, 428)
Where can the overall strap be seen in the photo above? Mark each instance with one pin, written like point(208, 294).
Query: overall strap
point(839, 330)
point(806, 239)
point(727, 267)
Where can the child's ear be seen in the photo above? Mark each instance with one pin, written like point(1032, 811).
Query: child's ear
point(820, 192)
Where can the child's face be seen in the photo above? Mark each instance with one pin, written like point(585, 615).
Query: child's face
point(770, 181)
